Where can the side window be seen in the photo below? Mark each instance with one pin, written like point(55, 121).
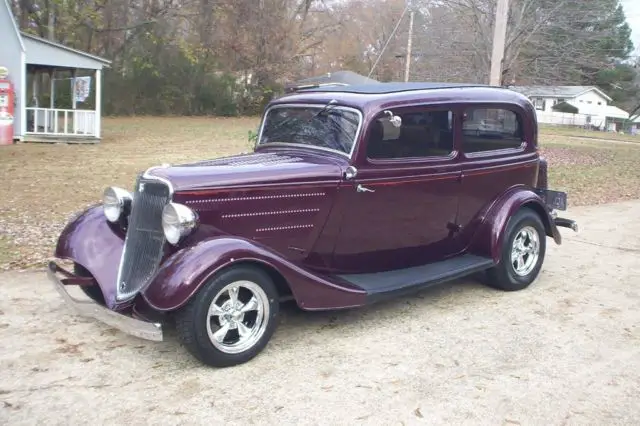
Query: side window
point(421, 134)
point(490, 129)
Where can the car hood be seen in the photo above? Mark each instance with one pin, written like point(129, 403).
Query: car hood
point(257, 168)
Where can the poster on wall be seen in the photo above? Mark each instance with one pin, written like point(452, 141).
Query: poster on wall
point(81, 87)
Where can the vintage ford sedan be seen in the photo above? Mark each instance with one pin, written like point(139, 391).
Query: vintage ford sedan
point(352, 194)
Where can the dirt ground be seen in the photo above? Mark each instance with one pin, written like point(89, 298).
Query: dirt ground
point(565, 351)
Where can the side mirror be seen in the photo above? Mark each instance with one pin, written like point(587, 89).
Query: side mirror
point(395, 120)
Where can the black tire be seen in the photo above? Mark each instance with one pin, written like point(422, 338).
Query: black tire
point(93, 291)
point(192, 319)
point(504, 276)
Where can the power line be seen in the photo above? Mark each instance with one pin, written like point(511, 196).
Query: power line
point(404, 12)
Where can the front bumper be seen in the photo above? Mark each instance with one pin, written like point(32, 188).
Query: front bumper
point(136, 327)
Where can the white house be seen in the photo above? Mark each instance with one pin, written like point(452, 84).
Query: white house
point(27, 57)
point(635, 125)
point(592, 103)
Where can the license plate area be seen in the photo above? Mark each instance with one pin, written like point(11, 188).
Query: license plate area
point(556, 200)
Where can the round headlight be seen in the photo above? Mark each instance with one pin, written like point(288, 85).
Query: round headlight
point(114, 201)
point(178, 221)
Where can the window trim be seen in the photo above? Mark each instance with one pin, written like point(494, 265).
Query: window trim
point(494, 152)
point(417, 160)
point(318, 105)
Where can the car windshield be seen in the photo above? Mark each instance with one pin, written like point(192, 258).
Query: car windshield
point(320, 126)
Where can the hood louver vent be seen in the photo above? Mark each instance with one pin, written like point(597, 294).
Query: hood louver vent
point(266, 159)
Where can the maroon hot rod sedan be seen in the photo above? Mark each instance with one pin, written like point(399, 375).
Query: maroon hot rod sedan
point(353, 194)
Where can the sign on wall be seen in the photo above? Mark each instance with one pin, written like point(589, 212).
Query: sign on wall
point(81, 88)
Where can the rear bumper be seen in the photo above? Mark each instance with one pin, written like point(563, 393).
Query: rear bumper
point(88, 308)
point(566, 223)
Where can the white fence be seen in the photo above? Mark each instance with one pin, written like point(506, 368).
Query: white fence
point(61, 122)
point(568, 119)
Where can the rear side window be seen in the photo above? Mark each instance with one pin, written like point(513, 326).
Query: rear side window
point(491, 129)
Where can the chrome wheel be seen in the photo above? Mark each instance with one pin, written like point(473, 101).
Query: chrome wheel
point(525, 251)
point(238, 317)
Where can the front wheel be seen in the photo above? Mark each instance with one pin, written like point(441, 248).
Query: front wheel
point(231, 318)
point(523, 252)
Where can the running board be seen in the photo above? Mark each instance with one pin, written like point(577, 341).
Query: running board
point(388, 284)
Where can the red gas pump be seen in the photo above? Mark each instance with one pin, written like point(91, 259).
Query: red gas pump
point(7, 107)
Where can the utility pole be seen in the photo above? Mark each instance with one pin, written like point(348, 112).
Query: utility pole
point(499, 41)
point(407, 63)
point(51, 24)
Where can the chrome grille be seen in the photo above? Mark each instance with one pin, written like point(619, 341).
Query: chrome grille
point(144, 243)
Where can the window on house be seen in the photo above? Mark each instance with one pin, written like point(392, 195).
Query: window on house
point(589, 102)
point(487, 129)
point(539, 104)
point(599, 103)
point(421, 134)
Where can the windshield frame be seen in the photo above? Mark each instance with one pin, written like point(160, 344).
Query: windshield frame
point(319, 107)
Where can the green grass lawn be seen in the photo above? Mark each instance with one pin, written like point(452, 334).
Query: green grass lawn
point(44, 184)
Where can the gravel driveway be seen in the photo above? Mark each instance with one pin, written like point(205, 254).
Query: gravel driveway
point(565, 351)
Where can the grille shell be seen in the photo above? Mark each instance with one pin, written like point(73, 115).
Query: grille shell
point(144, 243)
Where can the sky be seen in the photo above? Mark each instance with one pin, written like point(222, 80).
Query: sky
point(632, 11)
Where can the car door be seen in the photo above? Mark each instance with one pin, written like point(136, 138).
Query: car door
point(400, 208)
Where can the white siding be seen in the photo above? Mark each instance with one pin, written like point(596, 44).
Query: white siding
point(10, 57)
point(590, 103)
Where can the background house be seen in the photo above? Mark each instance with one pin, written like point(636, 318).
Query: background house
point(593, 106)
point(38, 68)
point(634, 128)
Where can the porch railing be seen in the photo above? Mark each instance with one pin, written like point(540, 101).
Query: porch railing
point(61, 122)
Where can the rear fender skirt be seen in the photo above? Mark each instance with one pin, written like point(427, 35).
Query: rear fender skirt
point(183, 273)
point(92, 242)
point(489, 237)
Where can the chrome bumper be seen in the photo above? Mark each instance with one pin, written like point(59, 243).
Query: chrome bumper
point(566, 223)
point(89, 308)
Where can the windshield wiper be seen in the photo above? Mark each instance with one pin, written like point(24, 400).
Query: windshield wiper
point(330, 104)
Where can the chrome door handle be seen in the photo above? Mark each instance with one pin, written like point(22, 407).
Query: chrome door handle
point(361, 188)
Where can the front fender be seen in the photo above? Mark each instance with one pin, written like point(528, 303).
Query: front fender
point(90, 241)
point(184, 272)
point(489, 238)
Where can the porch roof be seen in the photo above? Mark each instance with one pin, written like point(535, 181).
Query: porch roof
point(48, 53)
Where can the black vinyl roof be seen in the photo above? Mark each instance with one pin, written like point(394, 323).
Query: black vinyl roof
point(390, 87)
point(337, 77)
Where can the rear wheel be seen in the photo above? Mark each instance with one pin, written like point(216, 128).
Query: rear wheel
point(523, 252)
point(231, 318)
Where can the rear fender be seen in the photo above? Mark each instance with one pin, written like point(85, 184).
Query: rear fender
point(489, 238)
point(92, 242)
point(183, 273)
